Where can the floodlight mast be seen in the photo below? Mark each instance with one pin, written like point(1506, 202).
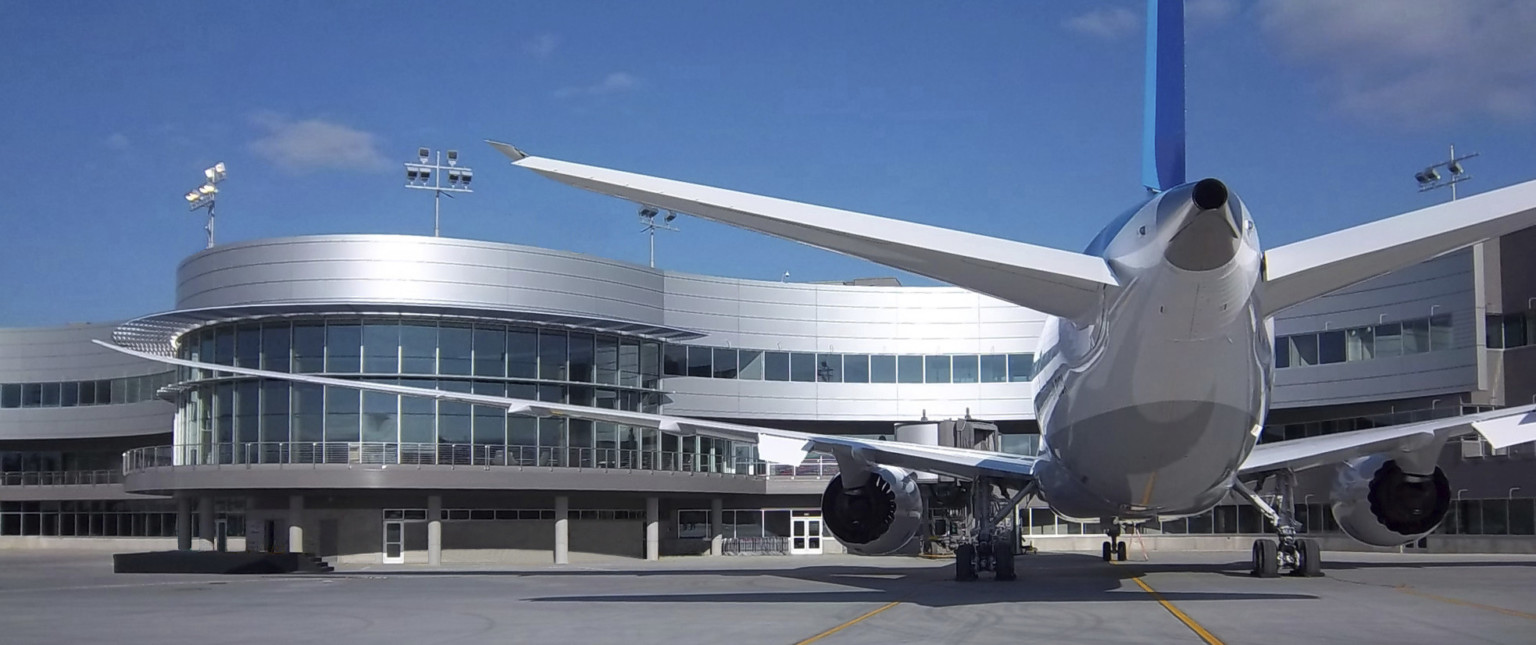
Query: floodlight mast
point(205, 195)
point(1430, 178)
point(418, 174)
point(648, 225)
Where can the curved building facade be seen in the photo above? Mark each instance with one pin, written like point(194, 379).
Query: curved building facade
point(371, 477)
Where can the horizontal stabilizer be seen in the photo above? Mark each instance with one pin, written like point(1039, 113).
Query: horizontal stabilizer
point(1049, 280)
point(1304, 270)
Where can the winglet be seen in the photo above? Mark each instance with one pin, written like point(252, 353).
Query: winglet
point(1162, 136)
point(509, 150)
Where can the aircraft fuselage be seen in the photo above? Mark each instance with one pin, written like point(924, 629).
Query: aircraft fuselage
point(1148, 408)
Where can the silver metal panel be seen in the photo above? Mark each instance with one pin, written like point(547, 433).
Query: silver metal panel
point(86, 422)
point(46, 354)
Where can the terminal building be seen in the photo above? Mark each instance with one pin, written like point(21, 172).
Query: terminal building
point(102, 450)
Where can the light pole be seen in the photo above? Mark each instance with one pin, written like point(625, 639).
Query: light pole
point(649, 226)
point(203, 196)
point(1430, 178)
point(429, 176)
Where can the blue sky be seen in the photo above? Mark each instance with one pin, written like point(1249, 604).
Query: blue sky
point(1016, 119)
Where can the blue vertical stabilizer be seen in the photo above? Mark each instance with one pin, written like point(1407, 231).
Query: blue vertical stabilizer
point(1162, 137)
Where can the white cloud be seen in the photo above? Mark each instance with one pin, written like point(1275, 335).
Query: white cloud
point(541, 46)
point(314, 143)
point(611, 84)
point(1414, 62)
point(118, 141)
point(1109, 24)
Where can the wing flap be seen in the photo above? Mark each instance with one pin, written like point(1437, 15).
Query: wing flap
point(1303, 270)
point(1050, 280)
point(1500, 427)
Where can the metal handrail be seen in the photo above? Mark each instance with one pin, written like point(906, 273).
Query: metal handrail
point(315, 453)
point(60, 477)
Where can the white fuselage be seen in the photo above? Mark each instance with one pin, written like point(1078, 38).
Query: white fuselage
point(1148, 409)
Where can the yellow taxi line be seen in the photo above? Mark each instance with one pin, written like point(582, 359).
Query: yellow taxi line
point(1208, 637)
point(855, 621)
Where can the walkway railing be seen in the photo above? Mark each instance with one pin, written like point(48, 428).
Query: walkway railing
point(314, 454)
point(61, 478)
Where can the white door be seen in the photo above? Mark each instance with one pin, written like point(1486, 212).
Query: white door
point(394, 542)
point(805, 536)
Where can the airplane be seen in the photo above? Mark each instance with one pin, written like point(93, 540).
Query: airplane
point(1155, 365)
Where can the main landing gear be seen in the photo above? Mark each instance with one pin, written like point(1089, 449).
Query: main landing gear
point(989, 547)
point(1302, 556)
point(1114, 547)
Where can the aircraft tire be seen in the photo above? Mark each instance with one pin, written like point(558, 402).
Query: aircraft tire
point(1310, 555)
point(965, 563)
point(1120, 551)
point(1109, 551)
point(1005, 570)
point(1266, 560)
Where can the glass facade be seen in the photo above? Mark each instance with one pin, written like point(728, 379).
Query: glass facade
point(764, 365)
point(69, 394)
point(1413, 336)
point(228, 419)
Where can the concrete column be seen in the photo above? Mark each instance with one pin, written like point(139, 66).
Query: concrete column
point(295, 523)
point(205, 519)
point(183, 523)
point(652, 528)
point(562, 529)
point(717, 526)
point(435, 530)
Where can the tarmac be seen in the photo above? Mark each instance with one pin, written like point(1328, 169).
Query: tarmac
point(61, 597)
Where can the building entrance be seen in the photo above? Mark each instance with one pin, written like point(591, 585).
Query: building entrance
point(805, 535)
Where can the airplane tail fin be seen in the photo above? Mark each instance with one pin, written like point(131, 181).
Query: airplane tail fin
point(1162, 141)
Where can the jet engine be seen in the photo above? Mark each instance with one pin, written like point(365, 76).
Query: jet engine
point(878, 517)
point(1377, 503)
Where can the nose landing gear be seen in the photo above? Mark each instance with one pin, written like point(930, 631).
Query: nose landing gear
point(1114, 547)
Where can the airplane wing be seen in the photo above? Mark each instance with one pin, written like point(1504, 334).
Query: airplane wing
point(1053, 281)
point(1500, 428)
point(774, 445)
point(1303, 270)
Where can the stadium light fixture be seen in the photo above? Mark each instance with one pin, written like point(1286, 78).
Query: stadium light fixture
point(419, 175)
point(204, 196)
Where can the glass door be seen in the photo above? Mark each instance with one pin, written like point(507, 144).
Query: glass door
point(394, 542)
point(805, 536)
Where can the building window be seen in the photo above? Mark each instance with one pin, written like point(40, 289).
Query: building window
point(855, 368)
point(724, 363)
point(882, 369)
point(776, 366)
point(936, 369)
point(751, 364)
point(909, 369)
point(994, 368)
point(1021, 367)
point(699, 360)
point(829, 368)
point(802, 367)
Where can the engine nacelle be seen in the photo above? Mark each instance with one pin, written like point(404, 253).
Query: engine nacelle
point(1377, 503)
point(877, 518)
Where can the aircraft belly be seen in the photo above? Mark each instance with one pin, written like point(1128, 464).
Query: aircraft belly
point(1159, 457)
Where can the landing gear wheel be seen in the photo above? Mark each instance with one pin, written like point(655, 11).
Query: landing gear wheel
point(1004, 567)
point(1309, 555)
point(1120, 551)
point(1109, 551)
point(1266, 559)
point(965, 563)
